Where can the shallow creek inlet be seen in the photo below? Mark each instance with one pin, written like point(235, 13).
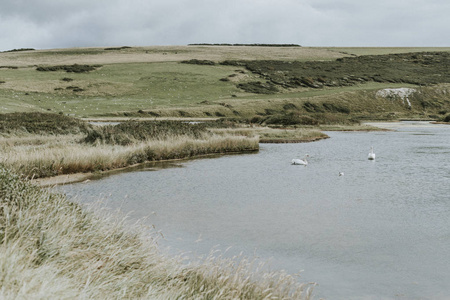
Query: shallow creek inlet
point(381, 230)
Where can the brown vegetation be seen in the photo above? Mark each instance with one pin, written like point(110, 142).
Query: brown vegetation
point(424, 68)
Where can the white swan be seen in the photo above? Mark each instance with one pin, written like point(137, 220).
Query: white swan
point(371, 154)
point(297, 161)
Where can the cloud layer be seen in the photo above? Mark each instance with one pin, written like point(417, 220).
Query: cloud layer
point(78, 23)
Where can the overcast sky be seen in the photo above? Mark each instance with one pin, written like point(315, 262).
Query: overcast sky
point(44, 24)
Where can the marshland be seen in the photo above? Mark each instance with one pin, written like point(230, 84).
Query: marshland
point(175, 103)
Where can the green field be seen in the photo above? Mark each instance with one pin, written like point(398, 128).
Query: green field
point(152, 82)
point(114, 88)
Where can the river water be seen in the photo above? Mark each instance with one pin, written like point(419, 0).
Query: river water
point(380, 231)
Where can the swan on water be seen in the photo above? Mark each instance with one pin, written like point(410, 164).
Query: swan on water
point(297, 161)
point(371, 154)
point(341, 173)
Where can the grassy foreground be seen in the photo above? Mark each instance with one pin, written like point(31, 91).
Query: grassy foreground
point(51, 248)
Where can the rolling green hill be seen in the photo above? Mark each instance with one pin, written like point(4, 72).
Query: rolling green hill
point(226, 81)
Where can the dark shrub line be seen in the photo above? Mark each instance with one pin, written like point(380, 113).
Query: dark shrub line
point(75, 68)
point(117, 48)
point(20, 49)
point(199, 62)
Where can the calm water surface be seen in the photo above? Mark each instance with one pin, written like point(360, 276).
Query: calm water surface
point(381, 231)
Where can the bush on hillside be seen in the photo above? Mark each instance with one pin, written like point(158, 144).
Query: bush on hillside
point(447, 118)
point(75, 68)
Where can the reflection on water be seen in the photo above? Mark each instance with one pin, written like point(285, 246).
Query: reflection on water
point(382, 230)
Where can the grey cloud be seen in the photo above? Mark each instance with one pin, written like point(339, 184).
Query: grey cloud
point(63, 23)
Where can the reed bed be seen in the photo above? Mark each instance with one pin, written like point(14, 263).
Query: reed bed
point(38, 145)
point(130, 132)
point(276, 135)
point(51, 248)
point(68, 156)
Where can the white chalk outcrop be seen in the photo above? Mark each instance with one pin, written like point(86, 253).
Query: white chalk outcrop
point(402, 93)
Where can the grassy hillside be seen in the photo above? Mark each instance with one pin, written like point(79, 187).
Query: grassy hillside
point(153, 82)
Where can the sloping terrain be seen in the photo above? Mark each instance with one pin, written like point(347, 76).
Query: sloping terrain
point(424, 68)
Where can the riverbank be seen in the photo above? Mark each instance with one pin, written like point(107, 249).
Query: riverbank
point(83, 176)
point(54, 156)
point(86, 177)
point(52, 248)
point(57, 149)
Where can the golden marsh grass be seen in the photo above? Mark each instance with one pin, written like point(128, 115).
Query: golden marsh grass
point(67, 156)
point(51, 248)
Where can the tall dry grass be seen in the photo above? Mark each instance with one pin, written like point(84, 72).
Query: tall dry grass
point(276, 135)
point(44, 145)
point(51, 248)
point(67, 155)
